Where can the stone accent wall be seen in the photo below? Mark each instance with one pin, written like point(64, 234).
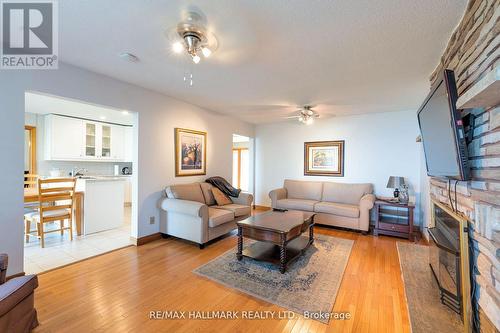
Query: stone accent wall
point(472, 51)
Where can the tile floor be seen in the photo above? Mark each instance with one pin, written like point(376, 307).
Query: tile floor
point(60, 251)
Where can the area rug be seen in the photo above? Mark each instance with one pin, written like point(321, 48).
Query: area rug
point(310, 283)
point(427, 314)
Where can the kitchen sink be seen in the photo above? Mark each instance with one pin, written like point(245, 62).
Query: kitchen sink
point(86, 177)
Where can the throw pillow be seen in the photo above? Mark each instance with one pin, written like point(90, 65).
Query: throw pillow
point(220, 197)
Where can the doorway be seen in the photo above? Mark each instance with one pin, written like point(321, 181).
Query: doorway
point(241, 162)
point(95, 145)
point(29, 155)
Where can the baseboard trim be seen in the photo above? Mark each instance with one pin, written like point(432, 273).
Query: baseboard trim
point(257, 207)
point(15, 275)
point(145, 239)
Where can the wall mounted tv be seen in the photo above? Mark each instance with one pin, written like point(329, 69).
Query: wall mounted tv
point(442, 131)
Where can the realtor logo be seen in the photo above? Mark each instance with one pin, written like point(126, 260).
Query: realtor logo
point(29, 32)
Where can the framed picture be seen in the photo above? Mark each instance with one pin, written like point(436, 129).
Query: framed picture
point(324, 158)
point(190, 152)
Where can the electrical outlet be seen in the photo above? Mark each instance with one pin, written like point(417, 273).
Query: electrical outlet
point(151, 220)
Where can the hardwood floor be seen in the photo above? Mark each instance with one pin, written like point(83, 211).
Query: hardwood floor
point(116, 292)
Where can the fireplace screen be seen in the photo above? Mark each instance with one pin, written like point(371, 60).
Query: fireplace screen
point(444, 258)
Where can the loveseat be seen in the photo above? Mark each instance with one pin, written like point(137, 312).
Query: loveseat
point(190, 212)
point(336, 204)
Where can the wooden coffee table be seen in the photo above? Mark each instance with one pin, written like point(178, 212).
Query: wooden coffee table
point(278, 236)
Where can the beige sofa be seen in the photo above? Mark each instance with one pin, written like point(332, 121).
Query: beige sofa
point(335, 204)
point(190, 212)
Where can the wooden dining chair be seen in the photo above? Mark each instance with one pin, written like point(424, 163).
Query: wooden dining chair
point(30, 180)
point(55, 197)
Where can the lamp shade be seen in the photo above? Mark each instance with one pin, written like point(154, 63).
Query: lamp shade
point(395, 182)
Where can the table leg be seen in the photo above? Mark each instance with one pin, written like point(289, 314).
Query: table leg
point(239, 254)
point(78, 212)
point(410, 222)
point(282, 255)
point(311, 234)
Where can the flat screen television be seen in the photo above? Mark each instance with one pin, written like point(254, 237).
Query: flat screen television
point(442, 131)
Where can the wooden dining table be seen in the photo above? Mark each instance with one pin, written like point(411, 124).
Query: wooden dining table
point(31, 196)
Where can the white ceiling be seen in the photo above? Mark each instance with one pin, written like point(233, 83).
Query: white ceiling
point(345, 56)
point(45, 104)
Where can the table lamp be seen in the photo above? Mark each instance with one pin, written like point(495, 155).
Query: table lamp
point(395, 183)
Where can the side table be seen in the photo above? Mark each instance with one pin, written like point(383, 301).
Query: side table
point(393, 218)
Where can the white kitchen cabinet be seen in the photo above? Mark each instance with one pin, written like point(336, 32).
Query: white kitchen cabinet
point(83, 140)
point(63, 138)
point(103, 142)
point(90, 139)
point(118, 143)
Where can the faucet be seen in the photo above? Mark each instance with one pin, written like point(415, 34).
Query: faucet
point(75, 172)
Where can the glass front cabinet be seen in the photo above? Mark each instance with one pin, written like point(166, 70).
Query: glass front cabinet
point(90, 140)
point(102, 141)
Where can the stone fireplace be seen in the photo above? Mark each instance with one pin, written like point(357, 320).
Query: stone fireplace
point(473, 53)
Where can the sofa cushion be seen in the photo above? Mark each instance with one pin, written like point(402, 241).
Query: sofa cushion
point(297, 204)
point(217, 216)
point(238, 210)
point(345, 193)
point(206, 188)
point(339, 209)
point(221, 198)
point(191, 192)
point(298, 189)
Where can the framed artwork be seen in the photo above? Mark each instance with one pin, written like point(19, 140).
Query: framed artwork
point(324, 158)
point(190, 152)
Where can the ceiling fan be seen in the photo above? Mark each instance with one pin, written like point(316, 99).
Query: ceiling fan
point(306, 115)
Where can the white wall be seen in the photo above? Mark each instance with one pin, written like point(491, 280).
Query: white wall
point(376, 147)
point(158, 115)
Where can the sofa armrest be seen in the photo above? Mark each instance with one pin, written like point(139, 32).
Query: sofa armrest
point(365, 204)
point(15, 290)
point(367, 201)
point(277, 194)
point(244, 198)
point(193, 208)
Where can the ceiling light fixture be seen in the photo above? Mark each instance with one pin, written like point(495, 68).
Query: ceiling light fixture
point(307, 115)
point(191, 36)
point(206, 52)
point(177, 47)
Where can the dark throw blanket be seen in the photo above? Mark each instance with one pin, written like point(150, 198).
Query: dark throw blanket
point(224, 186)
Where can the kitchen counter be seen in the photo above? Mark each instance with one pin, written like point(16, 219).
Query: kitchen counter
point(102, 178)
point(104, 202)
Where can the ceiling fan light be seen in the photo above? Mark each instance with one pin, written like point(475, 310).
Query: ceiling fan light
point(301, 119)
point(309, 121)
point(177, 47)
point(206, 52)
point(196, 58)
